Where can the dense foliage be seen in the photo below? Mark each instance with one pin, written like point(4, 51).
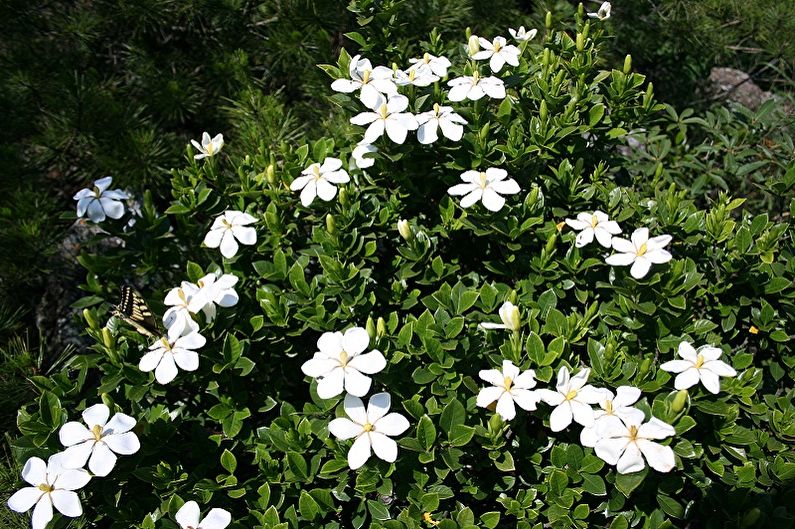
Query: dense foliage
point(248, 432)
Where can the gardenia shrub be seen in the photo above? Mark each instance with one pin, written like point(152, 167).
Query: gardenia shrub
point(458, 310)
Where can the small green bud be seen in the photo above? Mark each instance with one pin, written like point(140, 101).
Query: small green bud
point(468, 33)
point(344, 196)
point(580, 10)
point(659, 171)
point(751, 518)
point(370, 327)
point(679, 401)
point(580, 41)
point(331, 225)
point(542, 112)
point(610, 350)
point(545, 57)
point(107, 338)
point(107, 401)
point(270, 174)
point(551, 243)
point(512, 297)
point(380, 327)
point(627, 64)
point(548, 20)
point(90, 319)
point(405, 230)
point(473, 45)
point(644, 367)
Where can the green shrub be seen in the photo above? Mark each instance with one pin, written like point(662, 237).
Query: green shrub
point(247, 431)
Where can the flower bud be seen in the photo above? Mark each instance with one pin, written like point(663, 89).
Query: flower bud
point(107, 338)
point(270, 174)
point(679, 401)
point(545, 57)
point(644, 367)
point(580, 42)
point(405, 230)
point(473, 45)
point(627, 64)
point(751, 518)
point(512, 296)
point(542, 112)
point(380, 327)
point(107, 401)
point(509, 314)
point(370, 327)
point(343, 196)
point(548, 20)
point(90, 319)
point(659, 171)
point(331, 226)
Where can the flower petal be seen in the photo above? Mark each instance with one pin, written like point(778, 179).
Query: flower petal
point(186, 360)
point(102, 460)
point(378, 406)
point(71, 479)
point(42, 514)
point(687, 379)
point(216, 519)
point(96, 415)
point(318, 366)
point(73, 433)
point(119, 423)
point(631, 460)
point(660, 458)
point(76, 456)
point(356, 383)
point(228, 245)
point(188, 515)
point(354, 407)
point(392, 424)
point(369, 363)
point(25, 498)
point(344, 428)
point(355, 340)
point(710, 381)
point(676, 366)
point(332, 384)
point(582, 413)
point(655, 429)
point(720, 368)
point(505, 407)
point(561, 417)
point(526, 399)
point(166, 370)
point(384, 447)
point(35, 471)
point(640, 267)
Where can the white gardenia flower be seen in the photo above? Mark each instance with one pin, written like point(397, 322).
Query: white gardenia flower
point(363, 155)
point(509, 387)
point(613, 408)
point(52, 485)
point(188, 517)
point(208, 147)
point(625, 443)
point(101, 202)
point(339, 365)
point(98, 441)
point(229, 229)
point(389, 116)
point(421, 75)
point(166, 354)
point(700, 364)
point(438, 65)
point(594, 224)
point(177, 319)
point(318, 180)
point(498, 52)
point(641, 252)
point(572, 400)
point(212, 290)
point(371, 82)
point(485, 186)
point(475, 87)
point(509, 314)
point(603, 13)
point(521, 35)
point(439, 118)
point(372, 429)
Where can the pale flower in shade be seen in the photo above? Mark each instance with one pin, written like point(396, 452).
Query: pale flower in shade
point(230, 228)
point(167, 353)
point(387, 116)
point(572, 400)
point(443, 118)
point(509, 314)
point(52, 486)
point(522, 35)
point(214, 289)
point(700, 364)
point(364, 155)
point(339, 365)
point(499, 52)
point(177, 319)
point(100, 202)
point(320, 180)
point(603, 13)
point(371, 82)
point(474, 87)
point(625, 443)
point(372, 429)
point(189, 517)
point(594, 224)
point(508, 387)
point(485, 186)
point(208, 147)
point(420, 76)
point(438, 65)
point(640, 252)
point(98, 440)
point(612, 408)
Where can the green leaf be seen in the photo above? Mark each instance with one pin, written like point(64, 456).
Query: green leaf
point(426, 432)
point(297, 465)
point(594, 484)
point(626, 483)
point(228, 461)
point(452, 415)
point(307, 506)
point(378, 510)
point(460, 435)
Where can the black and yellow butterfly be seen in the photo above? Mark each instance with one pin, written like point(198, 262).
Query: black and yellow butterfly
point(132, 309)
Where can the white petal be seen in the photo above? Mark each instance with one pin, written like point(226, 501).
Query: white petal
point(119, 423)
point(355, 340)
point(384, 447)
point(71, 479)
point(228, 245)
point(245, 235)
point(102, 460)
point(42, 514)
point(426, 133)
point(113, 209)
point(589, 437)
point(369, 363)
point(216, 519)
point(631, 460)
point(186, 360)
point(658, 256)
point(640, 267)
point(553, 398)
point(345, 85)
point(96, 415)
point(212, 240)
point(492, 376)
point(687, 379)
point(623, 246)
point(492, 200)
point(330, 344)
point(660, 458)
point(505, 407)
point(331, 384)
point(25, 498)
point(95, 211)
point(123, 443)
point(584, 237)
point(604, 237)
point(710, 381)
point(686, 351)
point(526, 399)
point(526, 380)
point(582, 413)
point(378, 406)
point(392, 424)
point(318, 366)
point(188, 515)
point(193, 340)
point(561, 417)
point(166, 370)
point(359, 452)
point(640, 237)
point(356, 383)
point(73, 432)
point(374, 131)
point(655, 429)
point(720, 368)
point(396, 130)
point(452, 131)
point(676, 366)
point(469, 200)
point(488, 395)
point(35, 471)
point(354, 407)
point(150, 360)
point(626, 396)
point(497, 62)
point(343, 428)
point(76, 456)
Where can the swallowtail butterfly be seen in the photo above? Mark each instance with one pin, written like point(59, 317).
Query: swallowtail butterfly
point(132, 309)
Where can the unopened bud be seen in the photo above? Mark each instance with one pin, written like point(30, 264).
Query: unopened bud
point(107, 338)
point(627, 64)
point(551, 243)
point(331, 225)
point(370, 327)
point(90, 319)
point(107, 401)
point(679, 401)
point(473, 45)
point(344, 196)
point(542, 112)
point(512, 296)
point(580, 42)
point(509, 314)
point(548, 20)
point(380, 327)
point(644, 367)
point(545, 57)
point(405, 230)
point(659, 171)
point(270, 174)
point(751, 518)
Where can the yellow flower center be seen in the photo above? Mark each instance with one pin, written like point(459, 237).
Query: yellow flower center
point(165, 343)
point(97, 432)
point(316, 171)
point(633, 432)
point(97, 192)
point(210, 148)
point(412, 74)
point(497, 46)
point(368, 427)
point(571, 394)
point(594, 221)
point(609, 407)
point(426, 58)
point(226, 223)
point(642, 250)
point(475, 77)
point(366, 77)
point(483, 180)
point(436, 108)
point(382, 111)
point(699, 361)
point(507, 383)
point(344, 358)
point(45, 488)
point(182, 296)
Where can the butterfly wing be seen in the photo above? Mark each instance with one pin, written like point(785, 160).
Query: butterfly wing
point(132, 309)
